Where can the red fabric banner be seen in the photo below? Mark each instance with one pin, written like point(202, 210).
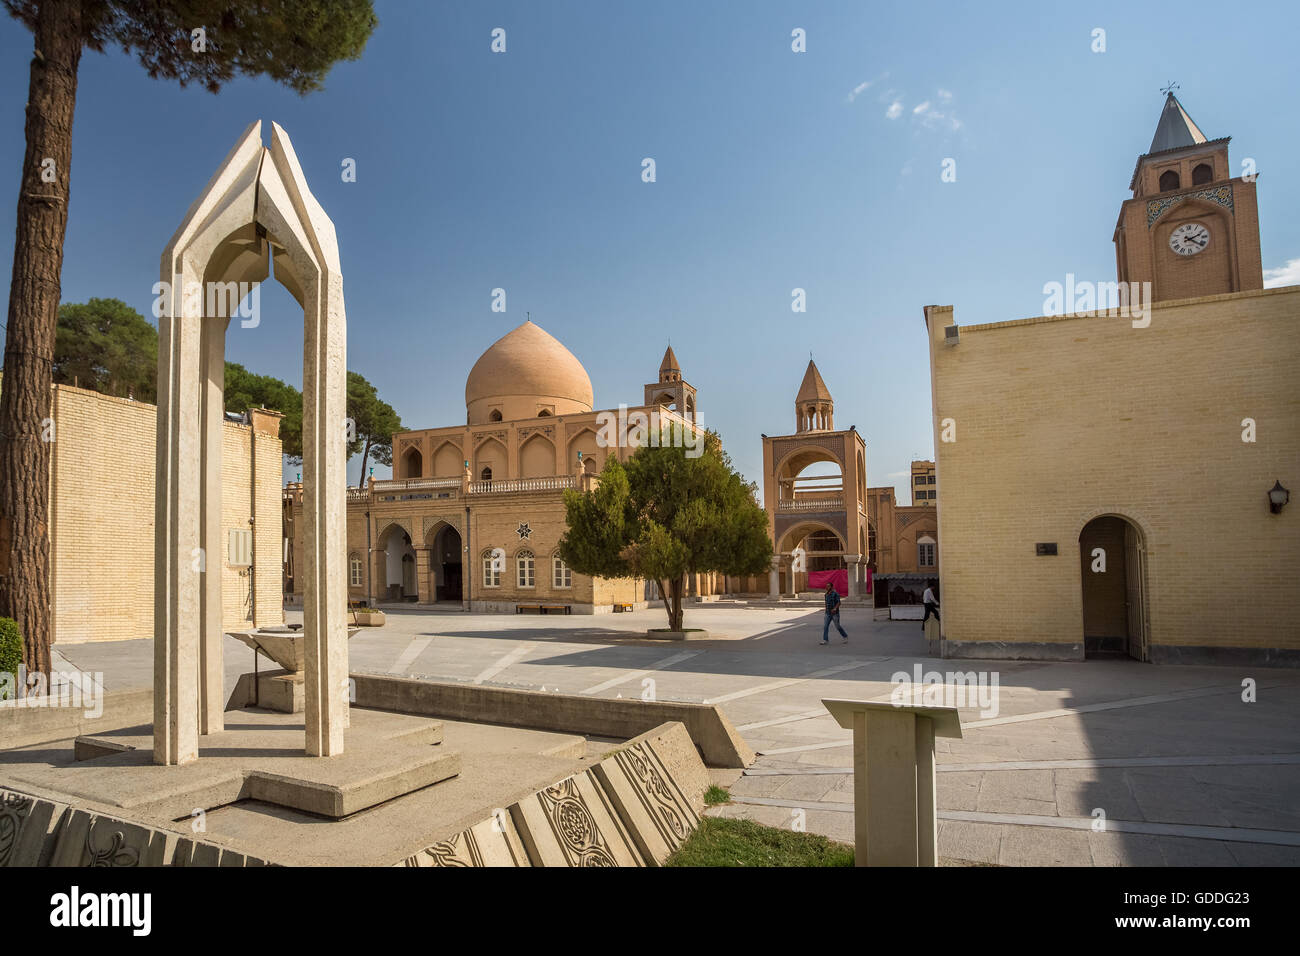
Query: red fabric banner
point(817, 580)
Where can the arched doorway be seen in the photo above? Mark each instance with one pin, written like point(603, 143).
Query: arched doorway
point(445, 568)
point(1112, 562)
point(823, 551)
point(397, 565)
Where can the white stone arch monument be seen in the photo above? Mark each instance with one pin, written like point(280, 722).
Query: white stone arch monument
point(256, 205)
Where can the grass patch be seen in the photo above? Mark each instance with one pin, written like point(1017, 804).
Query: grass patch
point(715, 795)
point(721, 842)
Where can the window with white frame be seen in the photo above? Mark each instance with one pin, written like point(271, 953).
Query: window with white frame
point(527, 569)
point(491, 569)
point(562, 576)
point(925, 552)
point(354, 570)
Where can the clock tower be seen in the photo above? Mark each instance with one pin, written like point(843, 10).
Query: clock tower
point(1190, 228)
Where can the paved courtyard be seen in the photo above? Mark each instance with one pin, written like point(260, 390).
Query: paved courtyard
point(1099, 763)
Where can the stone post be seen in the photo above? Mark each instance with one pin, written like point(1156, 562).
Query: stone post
point(774, 578)
point(894, 819)
point(853, 562)
point(424, 583)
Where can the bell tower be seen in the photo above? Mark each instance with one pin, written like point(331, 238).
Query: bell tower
point(1190, 229)
point(672, 390)
point(814, 409)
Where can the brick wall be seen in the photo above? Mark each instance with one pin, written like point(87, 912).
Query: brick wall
point(1061, 419)
point(102, 519)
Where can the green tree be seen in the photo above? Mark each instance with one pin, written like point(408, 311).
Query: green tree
point(245, 390)
point(294, 42)
point(664, 515)
point(374, 421)
point(108, 347)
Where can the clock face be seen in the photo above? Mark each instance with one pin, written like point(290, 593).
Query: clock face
point(1189, 238)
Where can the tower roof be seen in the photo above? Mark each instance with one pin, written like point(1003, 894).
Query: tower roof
point(813, 388)
point(669, 364)
point(1176, 128)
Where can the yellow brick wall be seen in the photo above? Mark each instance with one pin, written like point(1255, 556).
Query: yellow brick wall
point(1061, 419)
point(102, 519)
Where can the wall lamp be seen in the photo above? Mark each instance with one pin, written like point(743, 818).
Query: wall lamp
point(1277, 497)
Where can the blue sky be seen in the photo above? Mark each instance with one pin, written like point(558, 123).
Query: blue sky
point(775, 170)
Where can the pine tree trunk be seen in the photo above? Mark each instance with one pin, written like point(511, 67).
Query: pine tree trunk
point(361, 482)
point(34, 294)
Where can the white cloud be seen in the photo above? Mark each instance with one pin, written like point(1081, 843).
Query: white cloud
point(864, 86)
point(895, 110)
point(932, 117)
point(898, 474)
point(1288, 274)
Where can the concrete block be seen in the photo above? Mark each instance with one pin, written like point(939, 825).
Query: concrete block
point(493, 842)
point(573, 824)
point(658, 816)
point(88, 748)
point(681, 760)
point(713, 734)
point(317, 790)
point(26, 823)
point(91, 839)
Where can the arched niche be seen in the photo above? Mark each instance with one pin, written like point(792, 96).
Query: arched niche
point(255, 213)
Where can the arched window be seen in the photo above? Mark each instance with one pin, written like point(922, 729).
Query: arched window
point(354, 570)
point(871, 546)
point(1202, 174)
point(1169, 180)
point(925, 552)
point(544, 413)
point(485, 474)
point(561, 573)
point(495, 416)
point(492, 561)
point(527, 569)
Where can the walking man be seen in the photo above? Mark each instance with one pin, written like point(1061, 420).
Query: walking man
point(832, 614)
point(931, 606)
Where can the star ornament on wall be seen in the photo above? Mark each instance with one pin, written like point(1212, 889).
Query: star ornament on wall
point(523, 530)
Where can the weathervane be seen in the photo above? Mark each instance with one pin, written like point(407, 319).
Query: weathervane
point(1170, 88)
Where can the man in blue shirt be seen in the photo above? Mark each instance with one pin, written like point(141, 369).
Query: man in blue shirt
point(832, 614)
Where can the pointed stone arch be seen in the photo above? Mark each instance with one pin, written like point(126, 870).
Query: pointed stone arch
point(536, 457)
point(583, 440)
point(491, 454)
point(447, 461)
point(257, 207)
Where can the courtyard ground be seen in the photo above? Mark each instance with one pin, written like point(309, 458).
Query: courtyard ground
point(1101, 763)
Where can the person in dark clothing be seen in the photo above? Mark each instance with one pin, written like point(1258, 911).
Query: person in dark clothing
point(832, 614)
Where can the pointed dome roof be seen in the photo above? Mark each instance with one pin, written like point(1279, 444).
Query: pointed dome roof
point(813, 388)
point(669, 364)
point(1175, 128)
point(528, 361)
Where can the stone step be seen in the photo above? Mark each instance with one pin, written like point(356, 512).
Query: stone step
point(344, 785)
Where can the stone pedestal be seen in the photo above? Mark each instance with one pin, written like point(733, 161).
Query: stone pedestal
point(894, 822)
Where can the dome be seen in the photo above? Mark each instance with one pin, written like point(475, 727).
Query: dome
point(524, 371)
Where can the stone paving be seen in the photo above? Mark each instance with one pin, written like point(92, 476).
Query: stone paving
point(1099, 763)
